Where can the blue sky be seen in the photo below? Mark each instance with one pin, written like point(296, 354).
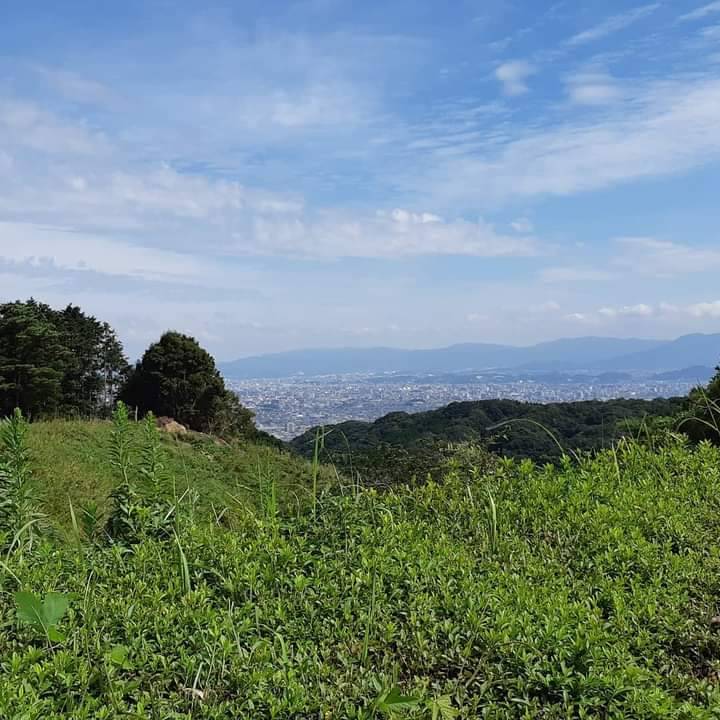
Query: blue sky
point(273, 175)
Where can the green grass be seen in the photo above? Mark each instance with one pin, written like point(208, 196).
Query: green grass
point(71, 464)
point(582, 591)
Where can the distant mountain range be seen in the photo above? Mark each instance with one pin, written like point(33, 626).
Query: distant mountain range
point(690, 354)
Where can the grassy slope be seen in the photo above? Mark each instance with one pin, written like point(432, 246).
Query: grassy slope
point(593, 600)
point(70, 461)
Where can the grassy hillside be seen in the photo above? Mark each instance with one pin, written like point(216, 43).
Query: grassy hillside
point(584, 591)
point(70, 461)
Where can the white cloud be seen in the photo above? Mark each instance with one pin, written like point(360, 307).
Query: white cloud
point(99, 193)
point(513, 75)
point(25, 125)
point(705, 309)
point(701, 12)
point(640, 310)
point(593, 88)
point(397, 233)
point(64, 249)
point(644, 311)
point(75, 87)
point(578, 317)
point(664, 258)
point(613, 24)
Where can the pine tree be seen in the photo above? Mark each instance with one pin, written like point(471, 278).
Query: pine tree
point(53, 361)
point(33, 358)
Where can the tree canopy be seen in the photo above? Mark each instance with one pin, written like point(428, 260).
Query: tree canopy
point(178, 378)
point(57, 361)
point(703, 416)
point(540, 432)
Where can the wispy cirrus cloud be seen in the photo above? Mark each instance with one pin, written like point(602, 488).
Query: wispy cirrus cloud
point(666, 129)
point(613, 24)
point(702, 12)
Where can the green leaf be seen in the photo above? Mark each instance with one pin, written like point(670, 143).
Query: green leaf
point(30, 609)
point(55, 606)
point(44, 614)
point(54, 635)
point(394, 700)
point(118, 656)
point(442, 708)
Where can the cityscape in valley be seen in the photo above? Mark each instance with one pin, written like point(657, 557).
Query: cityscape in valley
point(286, 407)
point(293, 391)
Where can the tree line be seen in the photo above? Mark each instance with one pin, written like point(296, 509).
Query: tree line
point(64, 363)
point(400, 445)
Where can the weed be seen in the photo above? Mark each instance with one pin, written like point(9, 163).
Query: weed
point(18, 514)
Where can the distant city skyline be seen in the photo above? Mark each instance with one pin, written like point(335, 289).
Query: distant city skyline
point(325, 173)
point(288, 407)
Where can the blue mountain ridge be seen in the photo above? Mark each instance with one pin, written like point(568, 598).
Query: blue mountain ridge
point(593, 354)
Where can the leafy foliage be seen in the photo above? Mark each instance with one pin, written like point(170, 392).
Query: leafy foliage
point(124, 523)
point(594, 596)
point(178, 378)
point(702, 419)
point(18, 512)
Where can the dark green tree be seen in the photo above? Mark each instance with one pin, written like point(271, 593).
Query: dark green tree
point(96, 366)
point(178, 378)
point(33, 358)
point(57, 361)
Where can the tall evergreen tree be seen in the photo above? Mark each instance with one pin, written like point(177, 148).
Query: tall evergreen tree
point(54, 361)
point(32, 359)
point(97, 365)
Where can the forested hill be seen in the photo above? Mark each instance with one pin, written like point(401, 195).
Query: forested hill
point(587, 425)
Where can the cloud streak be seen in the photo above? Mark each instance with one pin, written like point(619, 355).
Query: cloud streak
point(702, 12)
point(613, 24)
point(669, 128)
